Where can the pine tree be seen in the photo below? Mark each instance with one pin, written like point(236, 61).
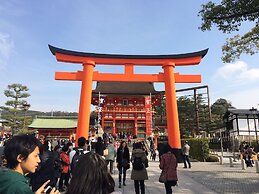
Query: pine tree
point(16, 107)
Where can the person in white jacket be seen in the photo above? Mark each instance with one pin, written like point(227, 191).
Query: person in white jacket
point(111, 156)
point(186, 151)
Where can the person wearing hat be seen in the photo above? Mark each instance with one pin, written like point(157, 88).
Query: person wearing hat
point(186, 151)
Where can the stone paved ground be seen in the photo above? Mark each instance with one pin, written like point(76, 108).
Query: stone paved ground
point(203, 177)
point(225, 179)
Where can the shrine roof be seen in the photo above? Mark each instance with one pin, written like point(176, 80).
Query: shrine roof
point(54, 123)
point(125, 88)
point(55, 50)
point(243, 111)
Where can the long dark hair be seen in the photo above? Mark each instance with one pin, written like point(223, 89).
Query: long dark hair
point(91, 176)
point(122, 143)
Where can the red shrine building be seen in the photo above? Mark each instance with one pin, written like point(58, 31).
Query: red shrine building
point(126, 107)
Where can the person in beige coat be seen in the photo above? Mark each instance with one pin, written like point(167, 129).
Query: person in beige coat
point(139, 164)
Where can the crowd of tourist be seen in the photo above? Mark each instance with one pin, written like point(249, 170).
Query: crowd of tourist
point(31, 165)
point(36, 165)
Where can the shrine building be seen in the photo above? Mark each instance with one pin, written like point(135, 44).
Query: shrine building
point(126, 107)
point(62, 127)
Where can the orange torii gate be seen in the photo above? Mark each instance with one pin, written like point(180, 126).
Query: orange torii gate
point(88, 75)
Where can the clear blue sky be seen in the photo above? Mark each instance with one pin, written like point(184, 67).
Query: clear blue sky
point(113, 26)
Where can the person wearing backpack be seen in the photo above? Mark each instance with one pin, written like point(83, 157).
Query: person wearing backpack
point(139, 164)
point(74, 155)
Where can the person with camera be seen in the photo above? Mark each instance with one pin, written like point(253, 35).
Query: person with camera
point(22, 154)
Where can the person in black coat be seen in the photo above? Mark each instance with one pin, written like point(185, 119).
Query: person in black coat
point(45, 171)
point(57, 163)
point(123, 161)
point(99, 146)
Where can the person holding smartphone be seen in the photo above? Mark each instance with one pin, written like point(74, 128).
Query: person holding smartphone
point(22, 156)
point(48, 189)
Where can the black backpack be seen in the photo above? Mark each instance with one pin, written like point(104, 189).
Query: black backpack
point(137, 163)
point(75, 159)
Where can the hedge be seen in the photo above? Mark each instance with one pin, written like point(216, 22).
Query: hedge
point(199, 148)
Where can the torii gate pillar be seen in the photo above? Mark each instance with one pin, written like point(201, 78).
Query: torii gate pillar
point(171, 107)
point(85, 100)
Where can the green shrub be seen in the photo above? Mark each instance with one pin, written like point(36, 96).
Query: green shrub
point(212, 158)
point(199, 148)
point(214, 145)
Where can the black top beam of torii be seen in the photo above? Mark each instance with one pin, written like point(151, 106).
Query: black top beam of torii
point(55, 50)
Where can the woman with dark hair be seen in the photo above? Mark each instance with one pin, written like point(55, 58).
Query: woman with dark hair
point(123, 160)
point(168, 164)
point(139, 172)
point(91, 176)
point(23, 156)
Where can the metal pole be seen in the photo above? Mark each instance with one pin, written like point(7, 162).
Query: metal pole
point(221, 144)
point(196, 113)
point(233, 148)
point(254, 111)
point(256, 138)
point(209, 102)
point(248, 125)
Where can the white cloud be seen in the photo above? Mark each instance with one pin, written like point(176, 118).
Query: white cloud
point(6, 47)
point(238, 72)
point(245, 98)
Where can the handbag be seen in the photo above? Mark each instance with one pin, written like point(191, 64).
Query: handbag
point(162, 177)
point(124, 164)
point(127, 166)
